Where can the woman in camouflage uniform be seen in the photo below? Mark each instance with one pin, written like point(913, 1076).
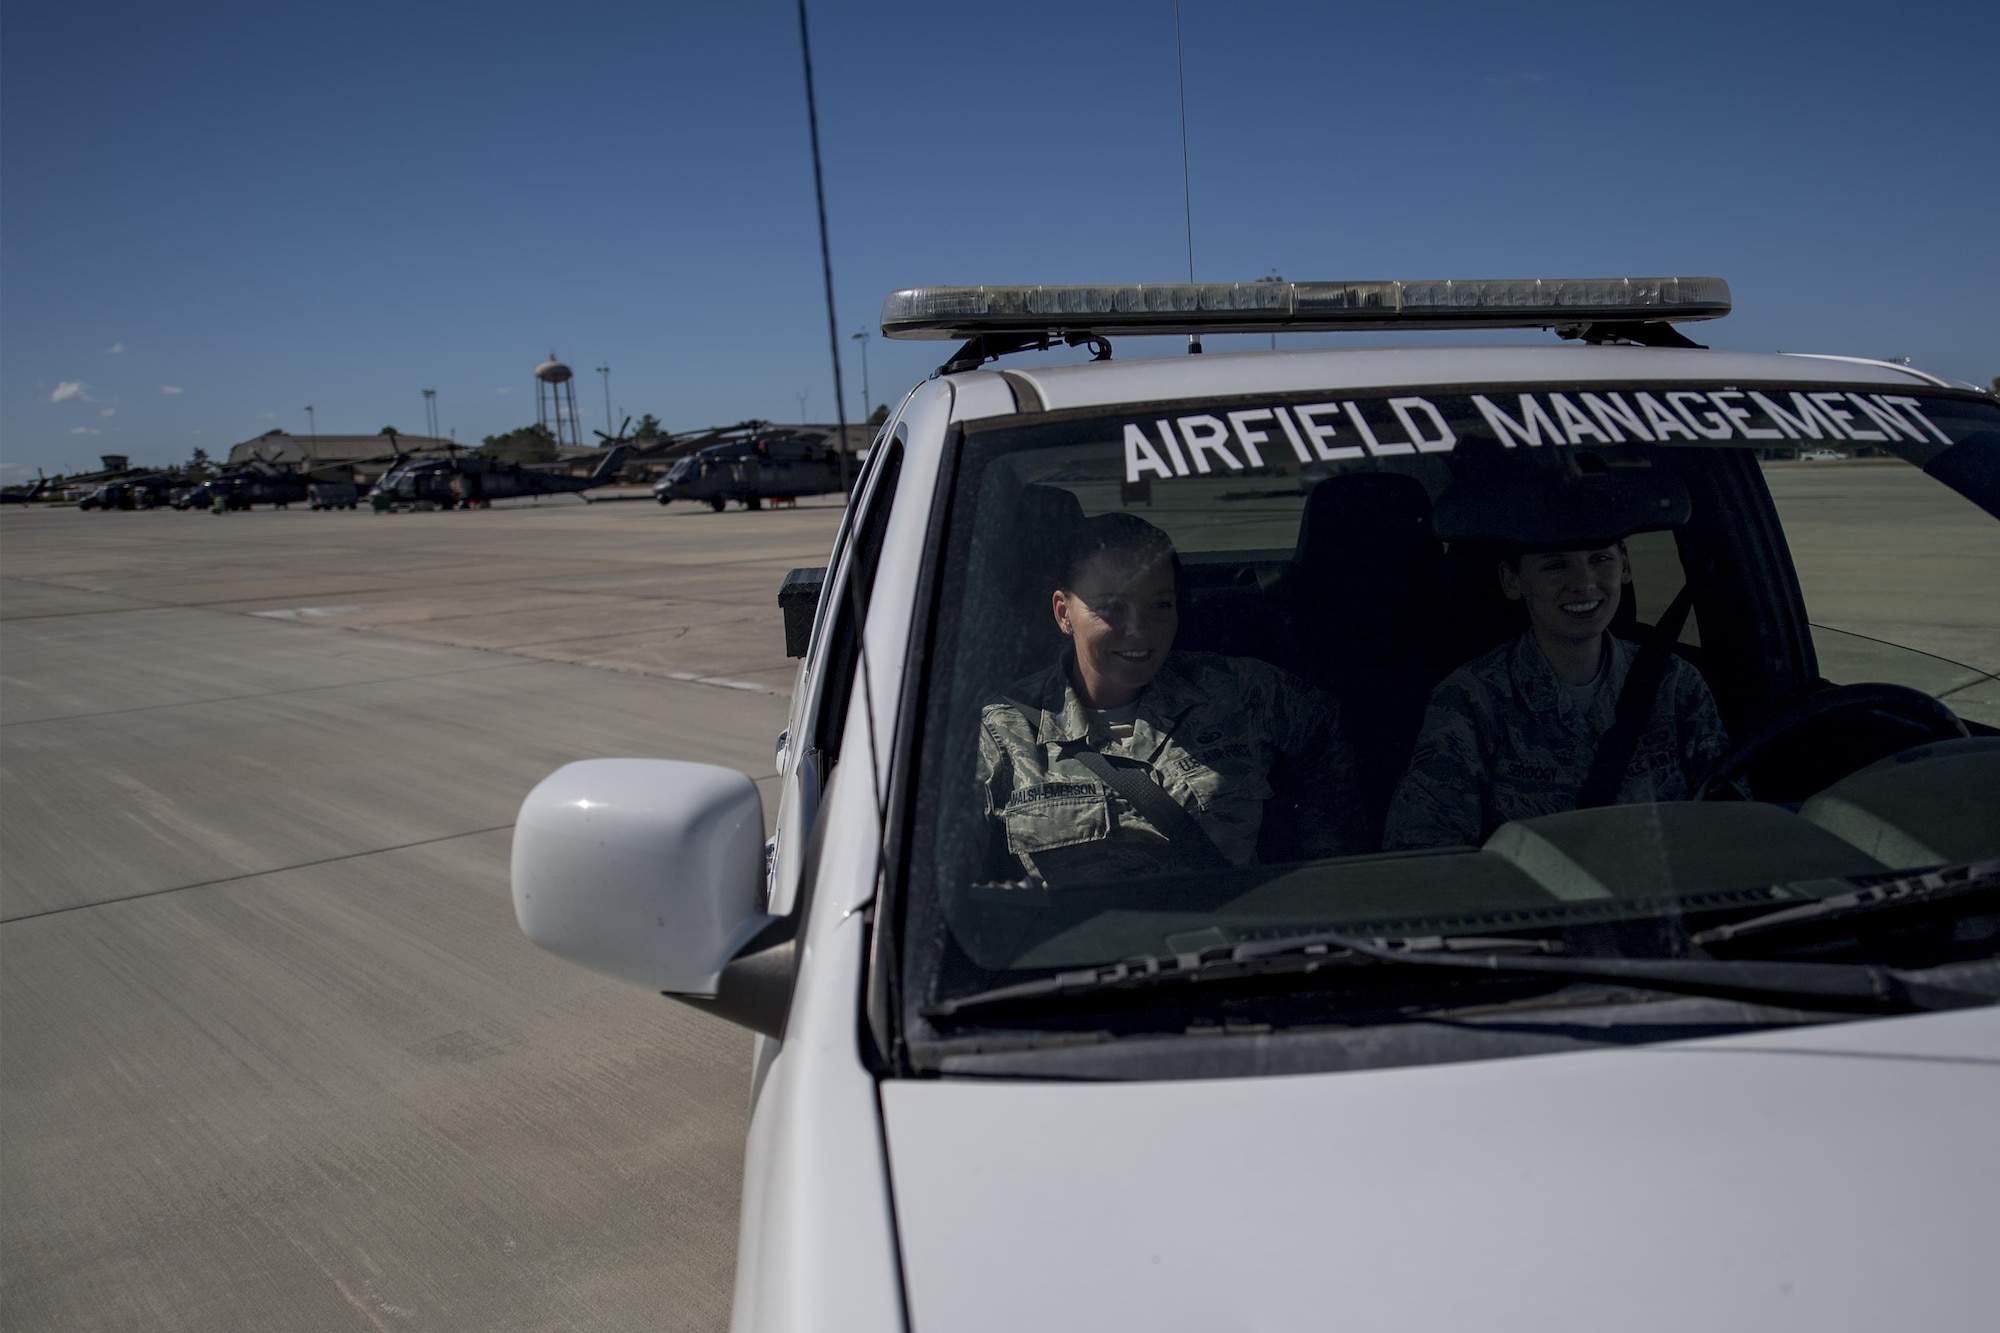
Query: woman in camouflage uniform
point(1212, 732)
point(1511, 735)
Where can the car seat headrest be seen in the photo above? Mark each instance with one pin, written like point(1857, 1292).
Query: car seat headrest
point(1026, 565)
point(1362, 514)
point(1050, 511)
point(1583, 506)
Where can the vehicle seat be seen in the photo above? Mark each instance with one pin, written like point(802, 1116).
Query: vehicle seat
point(1225, 609)
point(1475, 616)
point(1364, 600)
point(1045, 520)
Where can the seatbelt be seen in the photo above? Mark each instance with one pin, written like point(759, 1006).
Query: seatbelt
point(1635, 705)
point(1162, 811)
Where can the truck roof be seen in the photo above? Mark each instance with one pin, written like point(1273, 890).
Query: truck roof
point(1152, 379)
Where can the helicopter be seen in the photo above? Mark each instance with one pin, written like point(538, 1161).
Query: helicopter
point(467, 479)
point(25, 493)
point(141, 490)
point(110, 488)
point(752, 470)
point(262, 480)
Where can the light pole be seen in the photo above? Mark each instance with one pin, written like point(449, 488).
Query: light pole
point(867, 411)
point(312, 422)
point(605, 370)
point(430, 412)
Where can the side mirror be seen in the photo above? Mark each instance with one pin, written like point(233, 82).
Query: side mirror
point(652, 871)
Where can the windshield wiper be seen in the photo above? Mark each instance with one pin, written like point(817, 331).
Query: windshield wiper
point(1291, 953)
point(1978, 877)
point(1840, 987)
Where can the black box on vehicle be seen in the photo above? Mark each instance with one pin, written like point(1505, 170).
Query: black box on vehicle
point(798, 598)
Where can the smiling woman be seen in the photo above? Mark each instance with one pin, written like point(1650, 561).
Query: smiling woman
point(1518, 732)
point(1124, 757)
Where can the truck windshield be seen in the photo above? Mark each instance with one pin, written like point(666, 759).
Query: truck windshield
point(1207, 673)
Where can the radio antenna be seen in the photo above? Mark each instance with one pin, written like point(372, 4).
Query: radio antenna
point(1187, 193)
point(854, 575)
point(825, 254)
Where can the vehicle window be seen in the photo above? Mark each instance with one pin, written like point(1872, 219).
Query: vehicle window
point(861, 543)
point(1657, 578)
point(1332, 635)
point(1899, 576)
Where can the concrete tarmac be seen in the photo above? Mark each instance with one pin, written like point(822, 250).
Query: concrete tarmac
point(273, 1053)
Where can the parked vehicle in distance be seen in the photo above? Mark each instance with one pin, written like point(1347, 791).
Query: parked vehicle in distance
point(1029, 1056)
point(260, 482)
point(333, 495)
point(1820, 455)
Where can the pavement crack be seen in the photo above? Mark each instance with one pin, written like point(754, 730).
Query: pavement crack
point(274, 694)
point(253, 874)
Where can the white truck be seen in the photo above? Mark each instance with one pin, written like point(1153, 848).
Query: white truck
point(1708, 1062)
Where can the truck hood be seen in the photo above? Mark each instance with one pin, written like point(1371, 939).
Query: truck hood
point(1831, 1177)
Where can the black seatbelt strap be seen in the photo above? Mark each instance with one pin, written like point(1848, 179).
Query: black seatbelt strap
point(1162, 811)
point(1635, 705)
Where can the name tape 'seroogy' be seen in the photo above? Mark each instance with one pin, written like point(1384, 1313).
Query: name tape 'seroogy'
point(1332, 432)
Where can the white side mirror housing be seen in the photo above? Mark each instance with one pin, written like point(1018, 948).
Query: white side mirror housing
point(647, 870)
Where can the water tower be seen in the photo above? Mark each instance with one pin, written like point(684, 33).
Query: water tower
point(555, 401)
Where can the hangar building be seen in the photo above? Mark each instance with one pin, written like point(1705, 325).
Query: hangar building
point(308, 451)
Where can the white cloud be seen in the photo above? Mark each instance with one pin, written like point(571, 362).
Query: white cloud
point(507, 389)
point(169, 388)
point(69, 389)
point(114, 349)
point(84, 430)
point(108, 412)
point(267, 416)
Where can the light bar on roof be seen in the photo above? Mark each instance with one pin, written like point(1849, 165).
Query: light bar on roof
point(1280, 307)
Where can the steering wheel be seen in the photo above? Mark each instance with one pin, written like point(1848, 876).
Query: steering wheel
point(1900, 703)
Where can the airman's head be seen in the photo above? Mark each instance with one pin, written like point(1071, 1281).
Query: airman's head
point(1118, 604)
point(1571, 595)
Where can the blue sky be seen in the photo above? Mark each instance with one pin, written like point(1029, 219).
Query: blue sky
point(214, 214)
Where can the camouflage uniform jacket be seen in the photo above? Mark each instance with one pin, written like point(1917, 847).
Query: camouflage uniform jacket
point(1211, 730)
point(1503, 740)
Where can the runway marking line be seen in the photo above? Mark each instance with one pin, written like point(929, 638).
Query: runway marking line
point(720, 681)
point(306, 612)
